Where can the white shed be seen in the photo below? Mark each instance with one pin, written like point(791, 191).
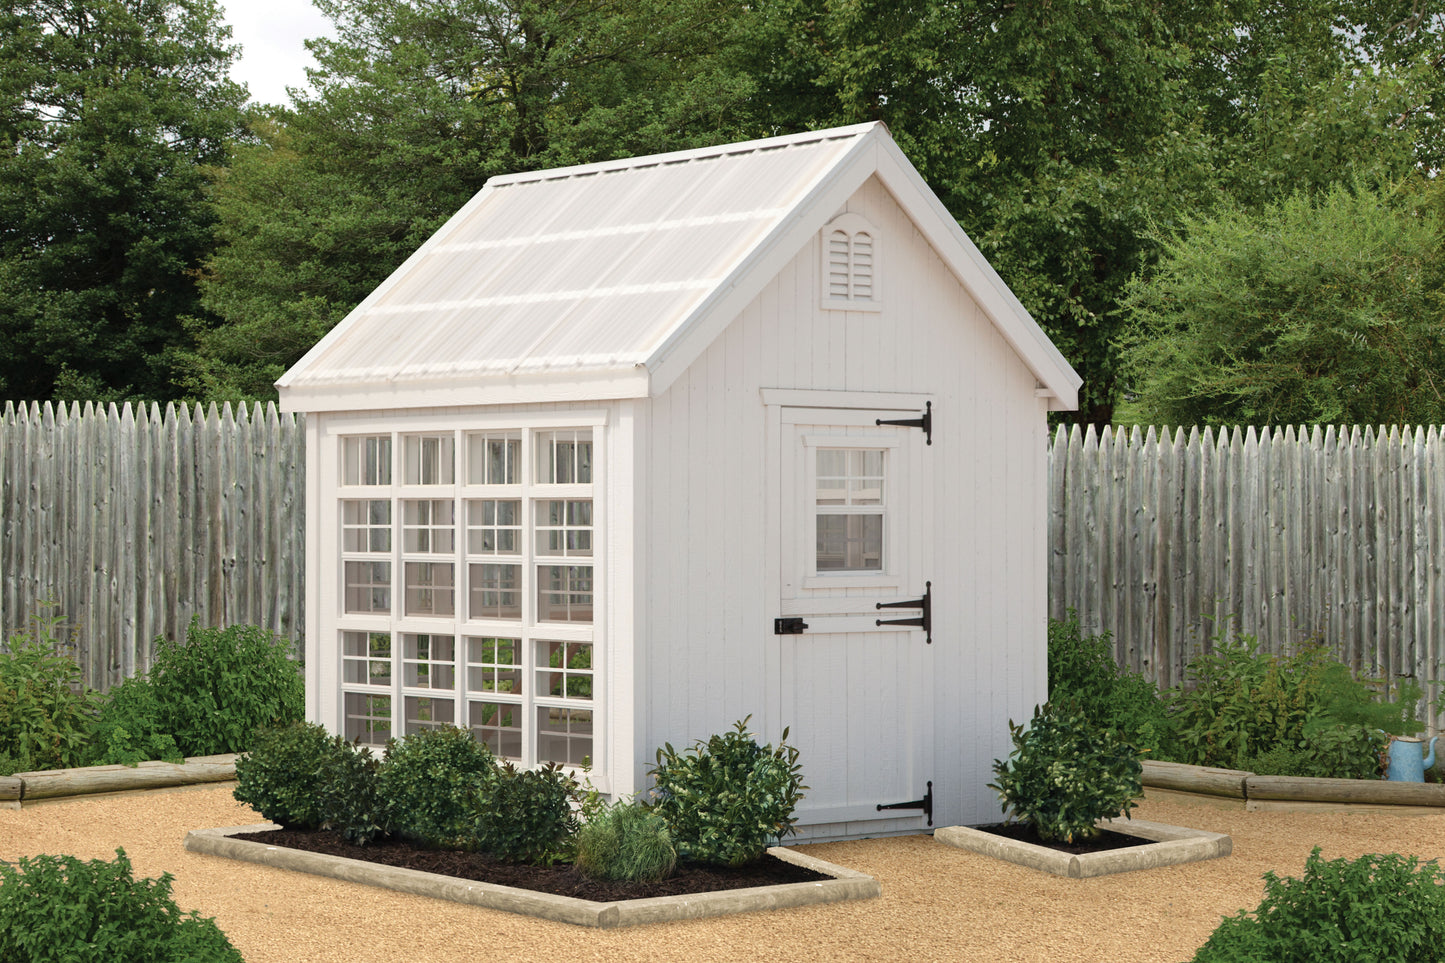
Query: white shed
point(629, 451)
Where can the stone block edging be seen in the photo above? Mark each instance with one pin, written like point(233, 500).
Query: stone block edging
point(54, 783)
point(1237, 784)
point(1170, 846)
point(846, 884)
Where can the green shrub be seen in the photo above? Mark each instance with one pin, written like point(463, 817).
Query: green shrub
point(727, 800)
point(60, 909)
point(45, 711)
point(1376, 907)
point(429, 782)
point(216, 691)
point(1239, 704)
point(1085, 678)
point(1065, 773)
point(626, 842)
point(305, 778)
point(128, 730)
point(526, 815)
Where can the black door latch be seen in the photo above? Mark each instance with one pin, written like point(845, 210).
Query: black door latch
point(789, 626)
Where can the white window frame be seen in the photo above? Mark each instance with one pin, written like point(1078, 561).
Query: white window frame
point(528, 630)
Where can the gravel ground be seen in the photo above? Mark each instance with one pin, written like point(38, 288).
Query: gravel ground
point(938, 903)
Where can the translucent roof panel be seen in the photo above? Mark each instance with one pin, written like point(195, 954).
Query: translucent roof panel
point(578, 268)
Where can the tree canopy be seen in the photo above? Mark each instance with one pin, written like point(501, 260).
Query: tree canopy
point(1078, 142)
point(111, 112)
point(1325, 308)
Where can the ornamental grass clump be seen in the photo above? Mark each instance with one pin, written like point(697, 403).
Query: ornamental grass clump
point(626, 842)
point(727, 800)
point(1065, 774)
point(59, 909)
point(1377, 907)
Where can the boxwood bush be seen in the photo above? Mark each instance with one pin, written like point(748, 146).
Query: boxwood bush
point(1065, 773)
point(728, 799)
point(59, 909)
point(303, 777)
point(1377, 907)
point(430, 782)
point(527, 815)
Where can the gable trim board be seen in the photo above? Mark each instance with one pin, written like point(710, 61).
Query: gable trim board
point(633, 370)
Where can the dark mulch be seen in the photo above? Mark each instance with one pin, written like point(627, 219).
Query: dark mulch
point(1105, 841)
point(562, 880)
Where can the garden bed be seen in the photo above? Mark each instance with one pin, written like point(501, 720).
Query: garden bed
point(55, 783)
point(1156, 844)
point(1255, 792)
point(830, 884)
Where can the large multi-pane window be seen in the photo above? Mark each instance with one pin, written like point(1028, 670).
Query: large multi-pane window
point(468, 577)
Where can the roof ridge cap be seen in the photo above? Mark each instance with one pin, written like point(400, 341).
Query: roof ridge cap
point(683, 156)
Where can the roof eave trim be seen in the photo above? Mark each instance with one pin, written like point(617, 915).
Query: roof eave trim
point(544, 388)
point(966, 261)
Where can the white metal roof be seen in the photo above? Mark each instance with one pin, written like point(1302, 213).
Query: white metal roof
point(589, 282)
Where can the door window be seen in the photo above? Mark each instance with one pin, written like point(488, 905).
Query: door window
point(849, 510)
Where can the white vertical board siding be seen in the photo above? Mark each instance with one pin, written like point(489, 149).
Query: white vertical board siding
point(711, 579)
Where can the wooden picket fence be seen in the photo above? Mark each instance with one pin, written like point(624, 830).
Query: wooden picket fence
point(132, 520)
point(129, 521)
point(1166, 539)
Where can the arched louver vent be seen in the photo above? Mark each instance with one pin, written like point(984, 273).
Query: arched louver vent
point(850, 264)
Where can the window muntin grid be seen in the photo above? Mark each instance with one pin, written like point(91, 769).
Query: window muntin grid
point(428, 712)
point(428, 526)
point(494, 665)
point(429, 661)
point(563, 457)
point(366, 587)
point(850, 511)
point(366, 460)
point(564, 593)
point(430, 589)
point(366, 658)
point(493, 458)
point(429, 459)
point(564, 670)
point(494, 526)
point(498, 725)
point(366, 525)
point(563, 527)
point(564, 735)
point(366, 718)
point(501, 509)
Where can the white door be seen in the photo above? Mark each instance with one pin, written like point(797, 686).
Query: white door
point(854, 527)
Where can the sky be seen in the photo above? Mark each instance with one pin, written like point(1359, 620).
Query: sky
point(272, 31)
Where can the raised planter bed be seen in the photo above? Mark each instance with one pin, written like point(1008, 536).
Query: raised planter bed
point(845, 884)
point(1256, 792)
point(1161, 845)
point(54, 783)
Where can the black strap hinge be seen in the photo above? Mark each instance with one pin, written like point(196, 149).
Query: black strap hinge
point(925, 804)
point(924, 621)
point(926, 422)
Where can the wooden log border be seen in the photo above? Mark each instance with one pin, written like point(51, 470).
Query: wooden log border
point(58, 783)
point(1237, 784)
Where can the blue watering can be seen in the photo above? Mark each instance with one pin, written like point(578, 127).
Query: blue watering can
point(1406, 763)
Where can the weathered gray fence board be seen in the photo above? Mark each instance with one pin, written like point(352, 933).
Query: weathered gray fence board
point(132, 520)
point(1285, 535)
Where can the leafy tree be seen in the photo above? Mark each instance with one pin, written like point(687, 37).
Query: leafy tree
point(417, 104)
point(110, 111)
point(1318, 309)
